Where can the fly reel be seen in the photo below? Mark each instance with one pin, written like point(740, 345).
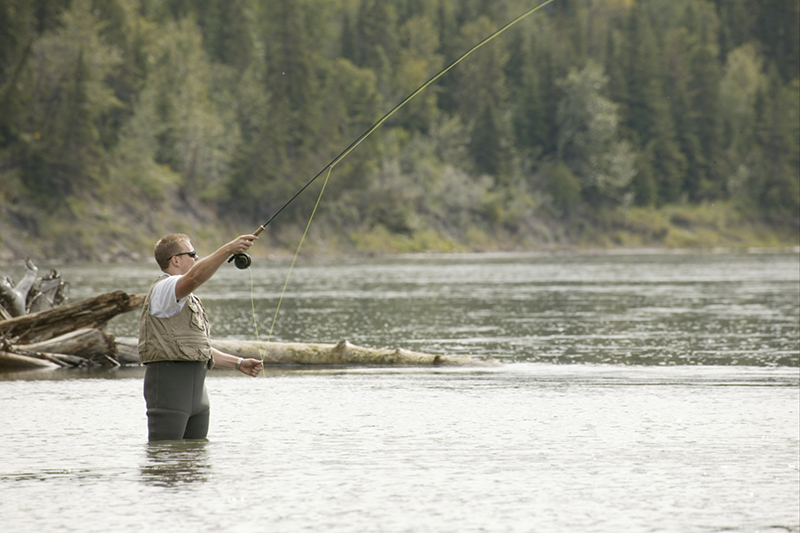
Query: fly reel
point(241, 261)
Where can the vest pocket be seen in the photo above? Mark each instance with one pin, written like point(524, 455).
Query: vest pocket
point(194, 351)
point(199, 319)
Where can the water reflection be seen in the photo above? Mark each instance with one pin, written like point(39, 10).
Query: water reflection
point(174, 463)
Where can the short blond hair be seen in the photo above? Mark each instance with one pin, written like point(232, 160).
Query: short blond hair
point(166, 248)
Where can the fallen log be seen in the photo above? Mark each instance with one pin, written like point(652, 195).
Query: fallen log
point(127, 351)
point(343, 353)
point(90, 313)
point(16, 362)
point(93, 346)
point(297, 353)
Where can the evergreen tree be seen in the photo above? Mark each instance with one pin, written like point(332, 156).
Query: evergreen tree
point(449, 50)
point(588, 139)
point(470, 11)
point(530, 125)
point(533, 90)
point(16, 40)
point(282, 153)
point(483, 101)
point(74, 162)
point(486, 144)
point(292, 73)
point(701, 127)
point(418, 60)
point(121, 29)
point(777, 165)
point(548, 78)
point(740, 87)
point(738, 21)
point(227, 31)
point(66, 110)
point(677, 89)
point(377, 41)
point(704, 180)
point(646, 111)
point(48, 13)
point(778, 30)
point(349, 40)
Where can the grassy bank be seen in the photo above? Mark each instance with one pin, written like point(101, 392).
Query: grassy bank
point(99, 235)
point(703, 227)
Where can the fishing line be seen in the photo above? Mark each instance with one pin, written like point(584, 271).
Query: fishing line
point(253, 304)
point(243, 260)
point(302, 239)
point(262, 349)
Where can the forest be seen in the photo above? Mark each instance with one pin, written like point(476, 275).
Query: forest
point(591, 122)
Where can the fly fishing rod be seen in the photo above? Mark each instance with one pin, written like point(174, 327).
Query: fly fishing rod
point(243, 260)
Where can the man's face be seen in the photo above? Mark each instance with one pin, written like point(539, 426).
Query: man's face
point(186, 257)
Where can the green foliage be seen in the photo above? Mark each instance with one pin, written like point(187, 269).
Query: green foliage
point(61, 148)
point(588, 139)
point(645, 113)
point(483, 98)
point(564, 187)
point(232, 105)
point(778, 156)
point(418, 61)
point(176, 133)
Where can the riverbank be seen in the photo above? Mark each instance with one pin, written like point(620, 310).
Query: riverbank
point(128, 235)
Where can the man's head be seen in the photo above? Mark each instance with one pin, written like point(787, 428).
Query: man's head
point(174, 250)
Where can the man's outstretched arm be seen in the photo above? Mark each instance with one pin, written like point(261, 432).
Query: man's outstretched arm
point(206, 267)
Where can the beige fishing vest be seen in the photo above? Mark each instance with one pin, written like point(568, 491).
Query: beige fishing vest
point(183, 337)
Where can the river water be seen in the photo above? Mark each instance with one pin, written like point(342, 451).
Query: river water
point(637, 392)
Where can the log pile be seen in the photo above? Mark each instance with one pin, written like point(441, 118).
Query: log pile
point(87, 346)
point(68, 336)
point(90, 313)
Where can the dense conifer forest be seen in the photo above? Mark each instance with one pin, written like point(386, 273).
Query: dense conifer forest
point(592, 122)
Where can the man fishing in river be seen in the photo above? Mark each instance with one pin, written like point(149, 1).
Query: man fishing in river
point(174, 339)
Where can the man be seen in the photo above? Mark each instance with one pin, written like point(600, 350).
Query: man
point(174, 340)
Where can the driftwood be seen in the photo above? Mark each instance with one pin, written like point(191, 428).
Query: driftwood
point(298, 353)
point(47, 292)
point(90, 345)
point(14, 297)
point(81, 348)
point(31, 294)
point(128, 351)
point(343, 353)
point(14, 362)
point(90, 313)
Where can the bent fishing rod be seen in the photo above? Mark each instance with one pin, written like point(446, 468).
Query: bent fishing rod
point(243, 260)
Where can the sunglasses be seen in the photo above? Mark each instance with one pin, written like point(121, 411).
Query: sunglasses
point(191, 254)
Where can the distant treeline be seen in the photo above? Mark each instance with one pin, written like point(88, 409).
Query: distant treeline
point(234, 104)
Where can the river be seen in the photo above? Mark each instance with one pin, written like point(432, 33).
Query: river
point(636, 392)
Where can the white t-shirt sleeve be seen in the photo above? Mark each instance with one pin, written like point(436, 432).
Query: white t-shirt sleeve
point(163, 303)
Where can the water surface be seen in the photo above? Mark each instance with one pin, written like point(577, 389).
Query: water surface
point(638, 393)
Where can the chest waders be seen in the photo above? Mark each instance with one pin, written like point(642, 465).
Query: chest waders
point(177, 354)
point(177, 400)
